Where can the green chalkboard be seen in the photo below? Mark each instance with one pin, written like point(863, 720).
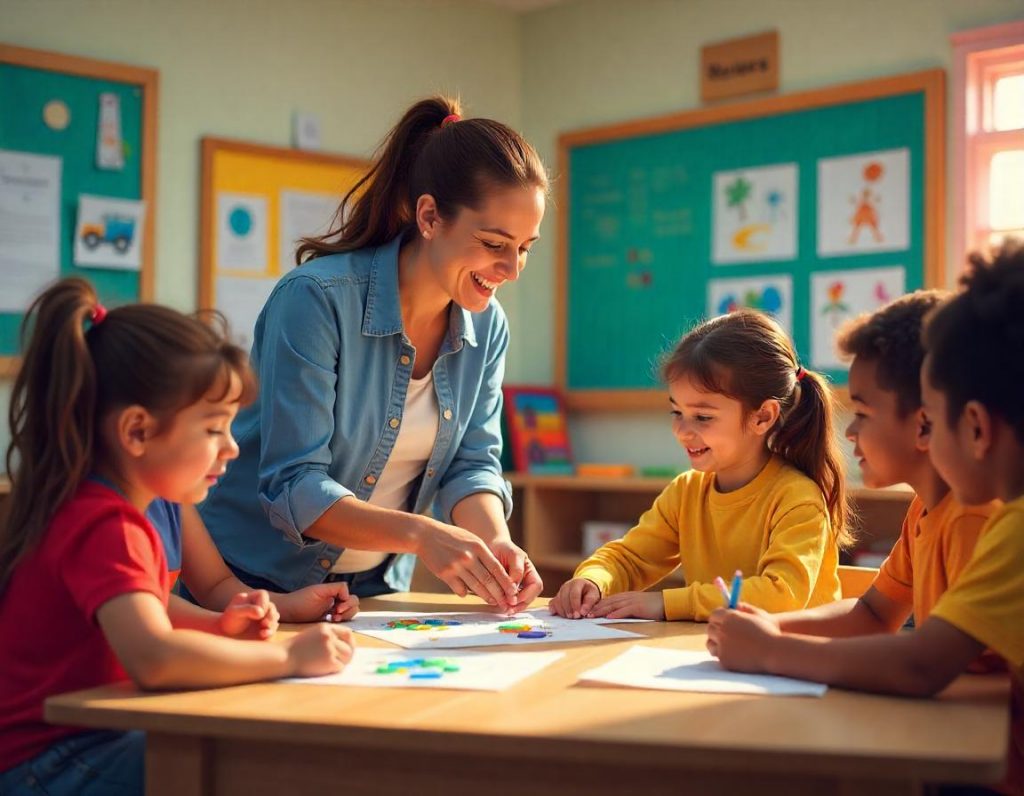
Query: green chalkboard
point(670, 220)
point(29, 79)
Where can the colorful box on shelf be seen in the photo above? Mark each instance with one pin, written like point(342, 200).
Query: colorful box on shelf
point(601, 470)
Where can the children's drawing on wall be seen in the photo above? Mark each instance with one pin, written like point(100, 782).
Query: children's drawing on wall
point(755, 214)
point(109, 233)
point(241, 233)
point(837, 296)
point(864, 203)
point(771, 294)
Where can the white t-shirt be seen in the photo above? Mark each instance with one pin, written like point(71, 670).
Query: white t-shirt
point(406, 463)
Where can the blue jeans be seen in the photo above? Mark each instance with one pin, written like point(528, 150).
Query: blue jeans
point(101, 763)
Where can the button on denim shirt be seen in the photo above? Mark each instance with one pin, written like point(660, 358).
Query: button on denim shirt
point(334, 367)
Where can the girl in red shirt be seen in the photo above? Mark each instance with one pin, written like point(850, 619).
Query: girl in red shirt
point(109, 412)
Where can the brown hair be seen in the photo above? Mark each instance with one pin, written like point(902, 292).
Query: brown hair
point(71, 377)
point(975, 341)
point(891, 338)
point(746, 356)
point(457, 163)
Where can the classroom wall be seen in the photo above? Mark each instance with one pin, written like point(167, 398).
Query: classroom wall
point(593, 62)
point(238, 68)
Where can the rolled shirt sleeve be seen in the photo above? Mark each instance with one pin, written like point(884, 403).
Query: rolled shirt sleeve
point(298, 371)
point(476, 466)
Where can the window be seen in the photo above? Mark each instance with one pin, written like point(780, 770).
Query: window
point(988, 137)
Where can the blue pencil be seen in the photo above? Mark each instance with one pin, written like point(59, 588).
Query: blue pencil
point(734, 599)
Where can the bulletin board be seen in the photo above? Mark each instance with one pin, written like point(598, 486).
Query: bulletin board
point(813, 206)
point(50, 107)
point(257, 201)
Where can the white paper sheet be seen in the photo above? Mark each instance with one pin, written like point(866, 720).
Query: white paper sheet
point(303, 215)
point(755, 214)
point(241, 232)
point(771, 294)
point(241, 300)
point(682, 670)
point(29, 226)
point(108, 233)
point(477, 671)
point(454, 629)
point(838, 296)
point(864, 203)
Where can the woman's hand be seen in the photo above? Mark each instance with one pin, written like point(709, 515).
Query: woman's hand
point(464, 563)
point(522, 572)
point(740, 638)
point(249, 615)
point(631, 605)
point(314, 603)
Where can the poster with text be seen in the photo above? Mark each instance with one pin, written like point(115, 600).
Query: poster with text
point(303, 215)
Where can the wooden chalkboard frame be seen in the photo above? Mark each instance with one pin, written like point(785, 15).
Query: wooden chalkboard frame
point(148, 81)
point(931, 83)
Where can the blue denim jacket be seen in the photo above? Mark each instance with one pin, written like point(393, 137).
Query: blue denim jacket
point(334, 367)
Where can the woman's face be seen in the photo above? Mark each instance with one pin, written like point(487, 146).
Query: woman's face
point(476, 251)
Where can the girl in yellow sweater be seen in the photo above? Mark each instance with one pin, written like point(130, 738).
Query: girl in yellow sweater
point(765, 496)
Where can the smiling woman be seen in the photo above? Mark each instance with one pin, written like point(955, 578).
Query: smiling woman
point(380, 361)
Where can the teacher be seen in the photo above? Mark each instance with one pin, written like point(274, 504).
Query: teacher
point(380, 361)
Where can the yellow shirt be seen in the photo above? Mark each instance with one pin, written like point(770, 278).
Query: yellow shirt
point(987, 603)
point(775, 530)
point(933, 549)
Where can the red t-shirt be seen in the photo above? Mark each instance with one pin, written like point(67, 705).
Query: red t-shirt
point(97, 547)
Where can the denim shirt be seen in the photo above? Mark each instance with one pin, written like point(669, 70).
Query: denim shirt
point(334, 367)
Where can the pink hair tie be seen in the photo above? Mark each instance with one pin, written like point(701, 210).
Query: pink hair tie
point(800, 373)
point(99, 312)
point(452, 117)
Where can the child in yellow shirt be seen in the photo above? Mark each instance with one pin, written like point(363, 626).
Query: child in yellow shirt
point(972, 384)
point(765, 496)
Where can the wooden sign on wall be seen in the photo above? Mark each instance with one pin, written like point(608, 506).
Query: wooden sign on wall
point(740, 66)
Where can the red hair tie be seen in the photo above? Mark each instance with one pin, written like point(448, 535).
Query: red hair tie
point(99, 312)
point(800, 373)
point(451, 117)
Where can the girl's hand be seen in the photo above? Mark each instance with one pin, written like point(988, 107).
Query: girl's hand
point(319, 650)
point(522, 572)
point(249, 615)
point(631, 605)
point(575, 599)
point(740, 639)
point(329, 601)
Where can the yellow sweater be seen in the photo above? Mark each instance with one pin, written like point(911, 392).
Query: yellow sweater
point(775, 530)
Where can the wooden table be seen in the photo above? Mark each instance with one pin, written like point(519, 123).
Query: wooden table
point(549, 736)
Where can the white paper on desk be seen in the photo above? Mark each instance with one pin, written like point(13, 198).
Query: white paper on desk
point(478, 671)
point(683, 670)
point(481, 629)
point(544, 613)
point(29, 227)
